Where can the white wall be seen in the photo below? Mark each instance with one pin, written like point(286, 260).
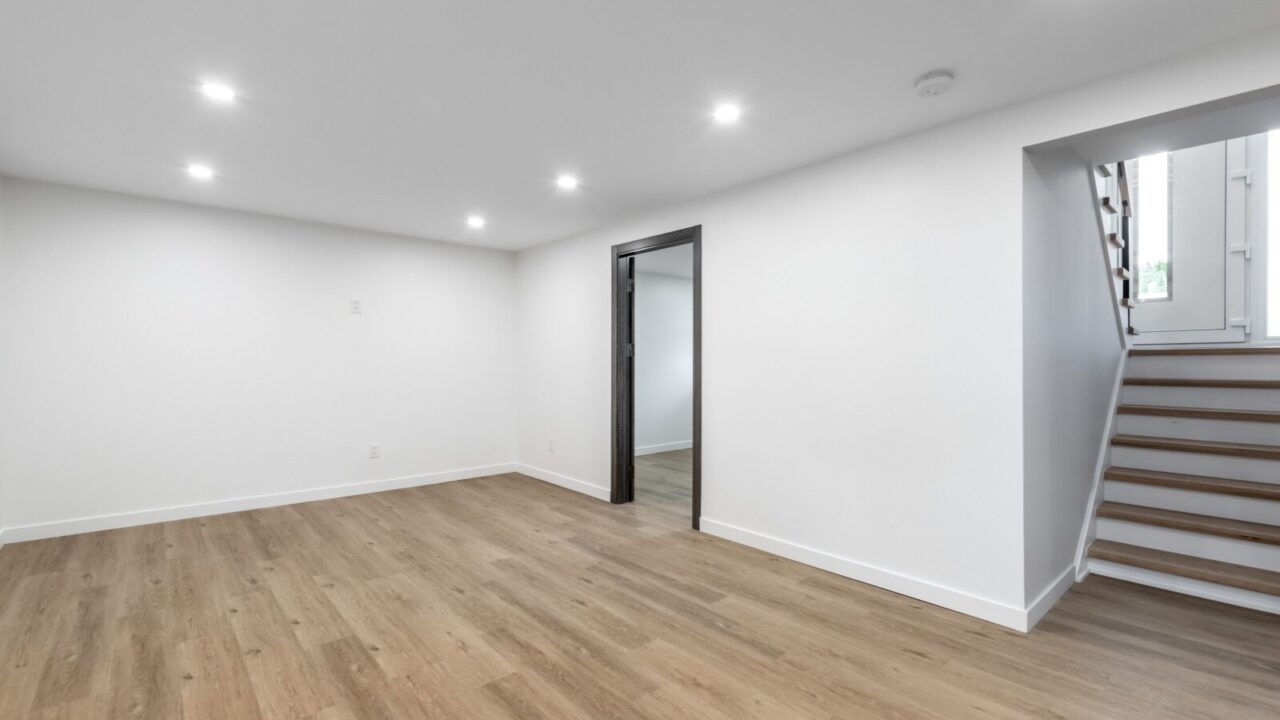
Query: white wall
point(863, 346)
point(2, 347)
point(1072, 350)
point(664, 363)
point(861, 392)
point(160, 355)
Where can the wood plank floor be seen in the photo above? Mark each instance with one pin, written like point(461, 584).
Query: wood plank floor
point(504, 597)
point(664, 487)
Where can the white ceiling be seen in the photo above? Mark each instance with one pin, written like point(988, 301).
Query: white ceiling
point(674, 261)
point(406, 116)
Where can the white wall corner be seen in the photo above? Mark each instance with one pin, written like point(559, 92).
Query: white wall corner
point(76, 526)
point(983, 608)
point(564, 481)
point(1049, 597)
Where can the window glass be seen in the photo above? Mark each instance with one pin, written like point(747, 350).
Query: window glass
point(1152, 232)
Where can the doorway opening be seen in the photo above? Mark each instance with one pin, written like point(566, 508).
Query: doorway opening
point(657, 372)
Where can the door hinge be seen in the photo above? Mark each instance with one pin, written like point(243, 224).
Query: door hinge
point(1246, 248)
point(1242, 322)
point(631, 285)
point(631, 350)
point(1246, 175)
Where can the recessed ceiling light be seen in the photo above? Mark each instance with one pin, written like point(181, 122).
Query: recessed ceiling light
point(200, 172)
point(727, 113)
point(567, 182)
point(475, 221)
point(218, 91)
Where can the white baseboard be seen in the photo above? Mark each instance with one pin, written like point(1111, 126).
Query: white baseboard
point(663, 447)
point(76, 526)
point(564, 481)
point(950, 598)
point(1050, 596)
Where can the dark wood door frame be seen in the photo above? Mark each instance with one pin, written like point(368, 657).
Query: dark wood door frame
point(624, 487)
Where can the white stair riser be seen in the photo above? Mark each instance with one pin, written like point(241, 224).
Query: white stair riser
point(1216, 398)
point(1221, 466)
point(1187, 586)
point(1259, 433)
point(1200, 503)
point(1210, 547)
point(1223, 367)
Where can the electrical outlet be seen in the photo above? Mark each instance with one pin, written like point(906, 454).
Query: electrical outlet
point(551, 445)
point(357, 307)
point(375, 452)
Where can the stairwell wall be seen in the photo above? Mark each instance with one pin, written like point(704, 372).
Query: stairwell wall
point(1073, 345)
point(2, 350)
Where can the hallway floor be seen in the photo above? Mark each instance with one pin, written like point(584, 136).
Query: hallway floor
point(664, 486)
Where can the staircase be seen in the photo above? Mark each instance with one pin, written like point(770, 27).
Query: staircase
point(1191, 496)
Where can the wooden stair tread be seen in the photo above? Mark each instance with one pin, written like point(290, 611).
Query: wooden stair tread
point(1249, 350)
point(1239, 576)
point(1206, 447)
point(1190, 522)
point(1204, 383)
point(1196, 483)
point(1200, 413)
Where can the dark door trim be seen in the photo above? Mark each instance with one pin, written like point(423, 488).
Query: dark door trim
point(623, 488)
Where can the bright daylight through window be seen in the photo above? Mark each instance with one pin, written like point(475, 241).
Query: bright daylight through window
point(1153, 232)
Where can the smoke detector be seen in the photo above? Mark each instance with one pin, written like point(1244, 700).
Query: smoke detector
point(935, 83)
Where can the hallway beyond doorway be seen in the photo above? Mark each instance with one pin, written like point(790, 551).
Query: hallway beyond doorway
point(664, 483)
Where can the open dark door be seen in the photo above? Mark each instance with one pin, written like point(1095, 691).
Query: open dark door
point(623, 489)
point(624, 374)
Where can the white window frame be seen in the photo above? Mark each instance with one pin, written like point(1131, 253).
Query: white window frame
point(1257, 234)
